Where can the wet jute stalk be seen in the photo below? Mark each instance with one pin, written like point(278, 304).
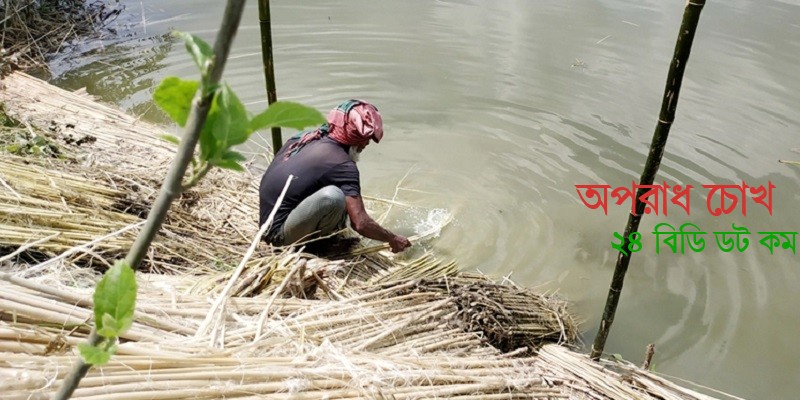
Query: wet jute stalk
point(265, 22)
point(171, 188)
point(691, 15)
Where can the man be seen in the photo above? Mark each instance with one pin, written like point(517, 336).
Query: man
point(327, 188)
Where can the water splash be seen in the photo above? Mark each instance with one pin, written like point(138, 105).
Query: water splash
point(432, 224)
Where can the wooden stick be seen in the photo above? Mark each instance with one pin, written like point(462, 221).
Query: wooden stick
point(394, 197)
point(648, 357)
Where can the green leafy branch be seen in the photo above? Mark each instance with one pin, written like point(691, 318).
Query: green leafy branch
point(228, 123)
point(114, 303)
point(212, 115)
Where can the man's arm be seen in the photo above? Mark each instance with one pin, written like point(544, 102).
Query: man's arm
point(367, 227)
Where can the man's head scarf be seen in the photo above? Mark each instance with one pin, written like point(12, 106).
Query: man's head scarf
point(352, 123)
point(355, 122)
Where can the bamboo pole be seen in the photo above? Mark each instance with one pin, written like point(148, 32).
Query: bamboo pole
point(683, 47)
point(269, 66)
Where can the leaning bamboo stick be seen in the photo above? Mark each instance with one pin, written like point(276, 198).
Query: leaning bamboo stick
point(669, 104)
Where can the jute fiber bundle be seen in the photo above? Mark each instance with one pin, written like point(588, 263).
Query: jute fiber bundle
point(284, 324)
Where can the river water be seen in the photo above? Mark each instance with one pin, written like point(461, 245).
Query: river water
point(496, 110)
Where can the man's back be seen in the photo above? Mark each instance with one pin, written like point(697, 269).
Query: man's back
point(318, 164)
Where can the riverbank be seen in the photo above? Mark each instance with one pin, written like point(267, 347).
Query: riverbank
point(291, 325)
point(35, 30)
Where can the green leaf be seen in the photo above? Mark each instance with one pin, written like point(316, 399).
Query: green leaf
point(174, 96)
point(617, 357)
point(170, 138)
point(233, 155)
point(226, 125)
point(229, 160)
point(287, 114)
point(228, 164)
point(230, 127)
point(209, 148)
point(109, 327)
point(94, 355)
point(108, 331)
point(201, 52)
point(115, 300)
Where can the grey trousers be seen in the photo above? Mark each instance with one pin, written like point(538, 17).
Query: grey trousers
point(320, 214)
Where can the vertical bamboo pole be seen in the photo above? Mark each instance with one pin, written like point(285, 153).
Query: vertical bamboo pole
point(269, 69)
point(691, 15)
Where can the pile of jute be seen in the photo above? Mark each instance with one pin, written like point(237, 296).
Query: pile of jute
point(212, 322)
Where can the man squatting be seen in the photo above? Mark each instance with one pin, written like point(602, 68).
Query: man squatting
point(327, 187)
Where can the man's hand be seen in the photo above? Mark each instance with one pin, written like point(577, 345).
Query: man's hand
point(399, 243)
point(367, 227)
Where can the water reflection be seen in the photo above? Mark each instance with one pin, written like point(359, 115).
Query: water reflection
point(123, 73)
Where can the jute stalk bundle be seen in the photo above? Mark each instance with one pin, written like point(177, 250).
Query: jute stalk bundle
point(390, 341)
point(369, 327)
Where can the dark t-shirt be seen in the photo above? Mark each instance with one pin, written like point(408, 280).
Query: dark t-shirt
point(318, 164)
